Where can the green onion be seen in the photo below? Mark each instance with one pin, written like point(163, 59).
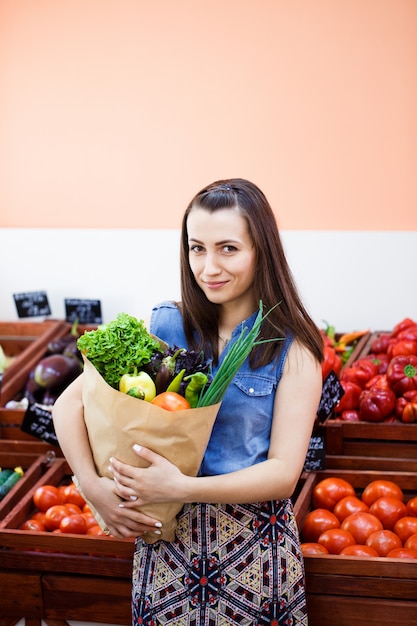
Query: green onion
point(235, 357)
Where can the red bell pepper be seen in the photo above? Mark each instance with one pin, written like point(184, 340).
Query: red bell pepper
point(380, 344)
point(409, 333)
point(375, 405)
point(349, 416)
point(350, 398)
point(360, 372)
point(331, 361)
point(404, 347)
point(405, 323)
point(380, 381)
point(402, 374)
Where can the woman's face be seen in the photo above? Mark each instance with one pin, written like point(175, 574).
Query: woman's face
point(222, 257)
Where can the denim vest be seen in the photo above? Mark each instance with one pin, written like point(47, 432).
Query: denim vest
point(241, 433)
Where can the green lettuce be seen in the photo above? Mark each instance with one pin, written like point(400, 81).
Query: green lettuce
point(118, 347)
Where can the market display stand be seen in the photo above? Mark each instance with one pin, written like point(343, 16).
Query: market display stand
point(61, 577)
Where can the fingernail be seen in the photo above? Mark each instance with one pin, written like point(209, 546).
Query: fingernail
point(157, 532)
point(133, 498)
point(121, 505)
point(110, 469)
point(137, 447)
point(111, 459)
point(158, 525)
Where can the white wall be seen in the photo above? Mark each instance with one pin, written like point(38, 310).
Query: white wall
point(353, 280)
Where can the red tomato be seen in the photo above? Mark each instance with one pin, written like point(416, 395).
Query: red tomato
point(87, 509)
point(61, 490)
point(90, 520)
point(45, 497)
point(316, 522)
point(32, 524)
point(388, 510)
point(349, 416)
point(72, 495)
point(412, 507)
point(383, 541)
point(378, 488)
point(411, 542)
point(405, 527)
point(348, 505)
point(359, 550)
point(313, 548)
point(171, 401)
point(361, 525)
point(329, 491)
point(74, 524)
point(335, 539)
point(72, 509)
point(54, 515)
point(95, 530)
point(402, 553)
point(40, 516)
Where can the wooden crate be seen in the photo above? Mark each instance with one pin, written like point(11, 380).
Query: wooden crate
point(21, 340)
point(64, 577)
point(390, 440)
point(344, 590)
point(11, 419)
point(34, 459)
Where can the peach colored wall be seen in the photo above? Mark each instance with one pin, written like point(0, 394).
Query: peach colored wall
point(114, 112)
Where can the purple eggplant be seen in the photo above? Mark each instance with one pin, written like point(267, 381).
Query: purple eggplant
point(57, 370)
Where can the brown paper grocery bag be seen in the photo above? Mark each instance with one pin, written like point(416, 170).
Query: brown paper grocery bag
point(115, 421)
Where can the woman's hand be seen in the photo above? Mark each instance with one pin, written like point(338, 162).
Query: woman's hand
point(159, 482)
point(121, 521)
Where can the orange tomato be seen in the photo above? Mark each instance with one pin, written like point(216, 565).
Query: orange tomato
point(33, 525)
point(402, 553)
point(171, 401)
point(359, 550)
point(313, 548)
point(316, 522)
point(412, 507)
point(90, 520)
point(348, 505)
point(329, 491)
point(361, 525)
point(72, 495)
point(54, 515)
point(72, 509)
point(381, 488)
point(383, 541)
point(335, 539)
point(74, 524)
point(389, 510)
point(95, 530)
point(411, 542)
point(46, 496)
point(405, 527)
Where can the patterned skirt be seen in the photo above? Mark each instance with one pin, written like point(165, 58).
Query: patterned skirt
point(229, 565)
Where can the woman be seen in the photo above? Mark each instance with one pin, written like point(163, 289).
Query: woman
point(236, 558)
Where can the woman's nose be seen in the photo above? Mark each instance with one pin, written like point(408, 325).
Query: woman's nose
point(211, 265)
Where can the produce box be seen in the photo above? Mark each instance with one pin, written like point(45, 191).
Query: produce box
point(21, 341)
point(344, 590)
point(395, 440)
point(33, 458)
point(11, 418)
point(64, 576)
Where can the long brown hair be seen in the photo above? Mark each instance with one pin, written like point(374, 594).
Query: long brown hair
point(273, 281)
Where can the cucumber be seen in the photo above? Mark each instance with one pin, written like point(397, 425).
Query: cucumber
point(4, 475)
point(10, 482)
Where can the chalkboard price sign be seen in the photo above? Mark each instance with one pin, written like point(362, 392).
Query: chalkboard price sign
point(37, 422)
point(316, 454)
point(32, 304)
point(331, 393)
point(85, 311)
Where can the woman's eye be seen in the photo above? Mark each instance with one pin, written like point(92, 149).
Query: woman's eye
point(196, 249)
point(229, 249)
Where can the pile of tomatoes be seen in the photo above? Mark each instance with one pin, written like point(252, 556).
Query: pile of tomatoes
point(377, 523)
point(61, 510)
